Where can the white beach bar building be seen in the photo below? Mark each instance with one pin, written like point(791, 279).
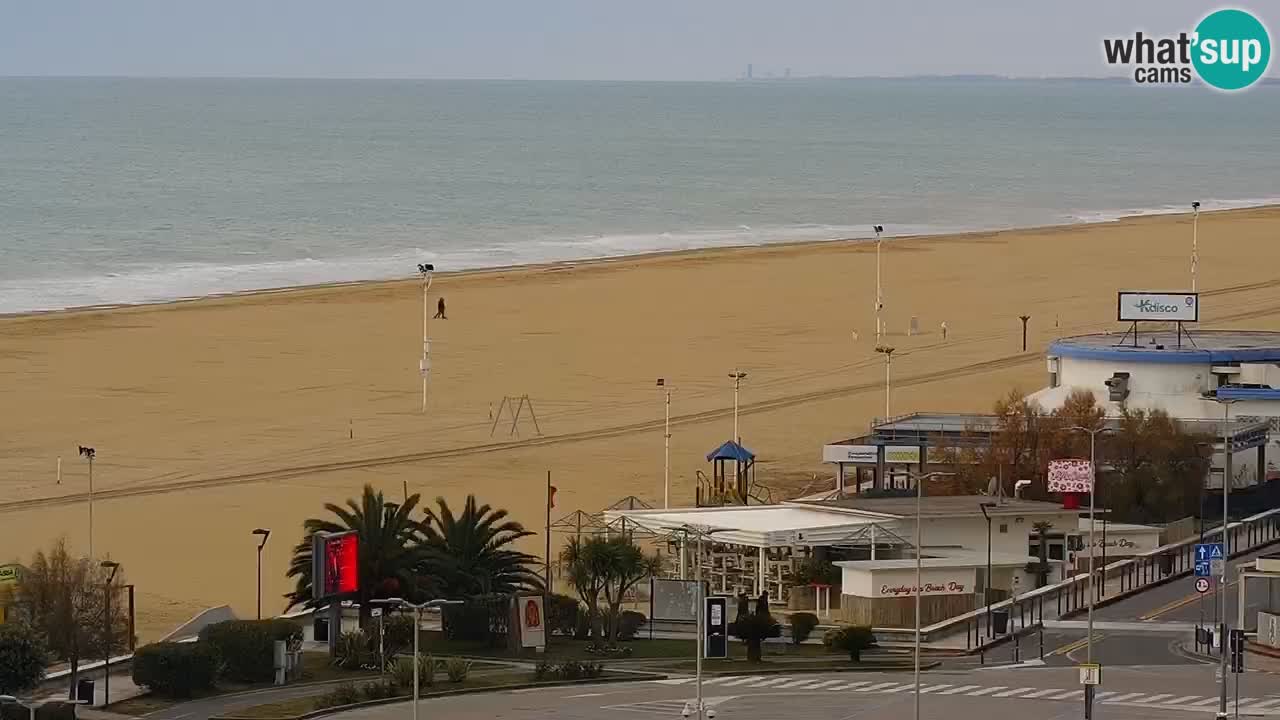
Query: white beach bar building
point(753, 549)
point(1185, 374)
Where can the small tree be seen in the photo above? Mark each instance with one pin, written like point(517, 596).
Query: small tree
point(610, 567)
point(852, 639)
point(753, 628)
point(66, 598)
point(23, 657)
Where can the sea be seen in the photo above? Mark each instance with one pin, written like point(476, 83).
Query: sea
point(117, 191)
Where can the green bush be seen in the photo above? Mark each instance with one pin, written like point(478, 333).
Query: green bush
point(754, 627)
point(353, 650)
point(23, 656)
point(814, 571)
point(543, 670)
point(562, 614)
point(345, 694)
point(380, 689)
point(802, 625)
point(244, 648)
point(570, 670)
point(174, 670)
point(457, 669)
point(56, 710)
point(852, 639)
point(630, 624)
point(402, 672)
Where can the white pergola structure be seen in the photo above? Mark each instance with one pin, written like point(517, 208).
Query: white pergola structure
point(754, 546)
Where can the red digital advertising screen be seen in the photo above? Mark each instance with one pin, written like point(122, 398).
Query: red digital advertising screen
point(341, 564)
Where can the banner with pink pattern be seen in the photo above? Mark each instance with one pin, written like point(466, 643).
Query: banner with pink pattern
point(1070, 476)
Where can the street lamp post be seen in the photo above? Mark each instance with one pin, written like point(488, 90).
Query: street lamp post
point(700, 615)
point(737, 377)
point(1093, 548)
point(88, 453)
point(666, 446)
point(424, 367)
point(264, 534)
point(986, 586)
point(920, 481)
point(417, 622)
point(1226, 549)
point(106, 630)
point(887, 351)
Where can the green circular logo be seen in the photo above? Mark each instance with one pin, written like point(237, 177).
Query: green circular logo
point(1232, 49)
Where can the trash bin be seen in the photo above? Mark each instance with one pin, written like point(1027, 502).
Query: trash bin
point(999, 622)
point(84, 691)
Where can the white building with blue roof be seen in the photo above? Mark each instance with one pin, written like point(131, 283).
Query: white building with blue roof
point(1200, 375)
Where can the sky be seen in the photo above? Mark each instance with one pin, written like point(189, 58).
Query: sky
point(580, 39)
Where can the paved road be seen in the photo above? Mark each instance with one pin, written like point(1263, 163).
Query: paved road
point(1042, 693)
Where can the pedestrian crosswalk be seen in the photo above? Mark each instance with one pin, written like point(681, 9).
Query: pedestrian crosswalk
point(1257, 706)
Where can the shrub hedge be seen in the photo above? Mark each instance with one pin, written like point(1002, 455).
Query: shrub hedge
point(174, 670)
point(244, 647)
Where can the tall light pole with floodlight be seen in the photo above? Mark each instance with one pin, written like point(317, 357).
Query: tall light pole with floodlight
point(106, 631)
point(1226, 548)
point(424, 366)
point(879, 295)
point(887, 351)
point(89, 453)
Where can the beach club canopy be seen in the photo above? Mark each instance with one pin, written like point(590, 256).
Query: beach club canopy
point(731, 451)
point(761, 526)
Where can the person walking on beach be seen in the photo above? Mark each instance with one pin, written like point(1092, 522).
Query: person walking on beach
point(440, 310)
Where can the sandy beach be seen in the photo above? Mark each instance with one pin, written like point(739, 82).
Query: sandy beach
point(213, 417)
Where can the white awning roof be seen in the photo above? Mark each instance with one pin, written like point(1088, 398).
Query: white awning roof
point(754, 526)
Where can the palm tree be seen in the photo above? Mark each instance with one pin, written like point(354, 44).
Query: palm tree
point(469, 553)
point(610, 567)
point(391, 549)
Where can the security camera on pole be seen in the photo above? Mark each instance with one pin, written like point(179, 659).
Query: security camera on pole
point(1195, 244)
point(879, 295)
point(424, 366)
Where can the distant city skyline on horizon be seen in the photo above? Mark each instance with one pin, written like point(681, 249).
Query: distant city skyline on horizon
point(665, 40)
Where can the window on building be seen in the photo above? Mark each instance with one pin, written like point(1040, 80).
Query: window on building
point(1056, 552)
point(1004, 527)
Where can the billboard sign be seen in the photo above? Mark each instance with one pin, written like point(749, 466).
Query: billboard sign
point(1070, 476)
point(1158, 307)
point(902, 454)
point(335, 564)
point(533, 626)
point(849, 453)
point(10, 574)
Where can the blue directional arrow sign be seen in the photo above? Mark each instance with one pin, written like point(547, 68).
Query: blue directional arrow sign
point(1208, 551)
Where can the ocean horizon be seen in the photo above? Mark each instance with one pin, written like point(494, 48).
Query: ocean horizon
point(123, 191)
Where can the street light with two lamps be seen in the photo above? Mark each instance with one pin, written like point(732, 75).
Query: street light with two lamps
point(920, 481)
point(417, 622)
point(1093, 482)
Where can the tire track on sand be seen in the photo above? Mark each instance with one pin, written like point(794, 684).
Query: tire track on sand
point(580, 436)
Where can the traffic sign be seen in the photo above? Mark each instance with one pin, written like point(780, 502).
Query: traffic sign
point(1090, 674)
point(1217, 567)
point(1209, 551)
point(1202, 568)
point(1202, 585)
point(1236, 644)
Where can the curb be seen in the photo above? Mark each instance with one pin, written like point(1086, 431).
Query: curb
point(448, 693)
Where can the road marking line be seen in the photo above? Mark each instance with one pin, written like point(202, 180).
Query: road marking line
point(1264, 703)
point(1039, 693)
point(1181, 602)
point(772, 681)
point(1068, 695)
point(582, 695)
point(877, 686)
point(674, 681)
point(714, 680)
point(1242, 701)
point(986, 690)
point(1107, 693)
point(744, 680)
point(1011, 693)
point(900, 688)
point(1157, 698)
point(824, 683)
point(931, 688)
point(802, 684)
point(850, 686)
point(960, 689)
point(1210, 701)
point(1124, 697)
point(1076, 645)
point(1181, 700)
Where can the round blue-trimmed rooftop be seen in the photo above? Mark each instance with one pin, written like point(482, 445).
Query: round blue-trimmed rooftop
point(1197, 347)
